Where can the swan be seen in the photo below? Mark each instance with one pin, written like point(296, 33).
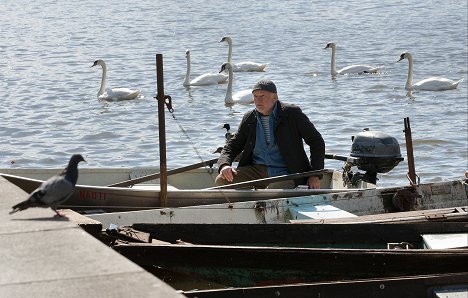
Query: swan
point(429, 84)
point(244, 96)
point(204, 79)
point(241, 66)
point(356, 69)
point(113, 94)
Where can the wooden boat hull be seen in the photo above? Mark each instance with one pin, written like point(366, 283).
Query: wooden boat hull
point(366, 235)
point(430, 196)
point(120, 198)
point(238, 266)
point(250, 206)
point(402, 287)
point(254, 255)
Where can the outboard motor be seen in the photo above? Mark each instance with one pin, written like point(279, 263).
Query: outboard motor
point(376, 152)
point(373, 152)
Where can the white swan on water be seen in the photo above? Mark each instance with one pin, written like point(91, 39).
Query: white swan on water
point(113, 94)
point(204, 79)
point(244, 96)
point(352, 69)
point(429, 84)
point(242, 66)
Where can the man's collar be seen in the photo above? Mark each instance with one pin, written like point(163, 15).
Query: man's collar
point(273, 113)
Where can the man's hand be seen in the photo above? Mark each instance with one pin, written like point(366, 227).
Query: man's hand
point(313, 182)
point(227, 172)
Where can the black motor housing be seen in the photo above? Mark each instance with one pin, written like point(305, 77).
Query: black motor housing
point(376, 152)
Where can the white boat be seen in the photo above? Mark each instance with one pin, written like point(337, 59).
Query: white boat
point(372, 152)
point(184, 189)
point(191, 197)
point(319, 207)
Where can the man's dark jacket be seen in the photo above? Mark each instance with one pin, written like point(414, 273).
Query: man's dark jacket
point(292, 126)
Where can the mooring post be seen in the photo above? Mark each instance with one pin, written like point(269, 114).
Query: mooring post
point(161, 98)
point(409, 152)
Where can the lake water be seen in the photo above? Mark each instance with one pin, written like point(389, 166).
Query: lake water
point(50, 110)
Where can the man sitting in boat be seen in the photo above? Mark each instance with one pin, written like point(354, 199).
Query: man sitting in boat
point(270, 138)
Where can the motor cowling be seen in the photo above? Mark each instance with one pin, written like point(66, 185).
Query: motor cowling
point(375, 152)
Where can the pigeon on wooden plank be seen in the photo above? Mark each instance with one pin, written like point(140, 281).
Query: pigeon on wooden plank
point(55, 190)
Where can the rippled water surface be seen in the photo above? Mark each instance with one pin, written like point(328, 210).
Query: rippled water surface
point(50, 110)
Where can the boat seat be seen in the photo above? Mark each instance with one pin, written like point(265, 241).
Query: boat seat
point(451, 291)
point(152, 186)
point(318, 212)
point(445, 241)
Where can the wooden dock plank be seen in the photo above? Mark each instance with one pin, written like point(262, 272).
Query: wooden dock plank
point(43, 256)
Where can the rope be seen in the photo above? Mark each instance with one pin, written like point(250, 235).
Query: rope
point(171, 110)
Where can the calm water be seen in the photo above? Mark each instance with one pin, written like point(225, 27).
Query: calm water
point(49, 107)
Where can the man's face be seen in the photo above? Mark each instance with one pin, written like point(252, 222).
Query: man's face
point(264, 101)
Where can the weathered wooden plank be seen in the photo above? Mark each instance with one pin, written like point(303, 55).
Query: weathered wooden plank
point(401, 287)
point(129, 234)
point(91, 226)
point(324, 235)
point(237, 266)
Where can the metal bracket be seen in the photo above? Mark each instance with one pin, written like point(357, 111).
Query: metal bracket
point(168, 102)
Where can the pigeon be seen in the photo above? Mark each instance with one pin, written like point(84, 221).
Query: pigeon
point(55, 190)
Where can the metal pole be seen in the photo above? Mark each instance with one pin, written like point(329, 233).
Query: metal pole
point(161, 98)
point(409, 152)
